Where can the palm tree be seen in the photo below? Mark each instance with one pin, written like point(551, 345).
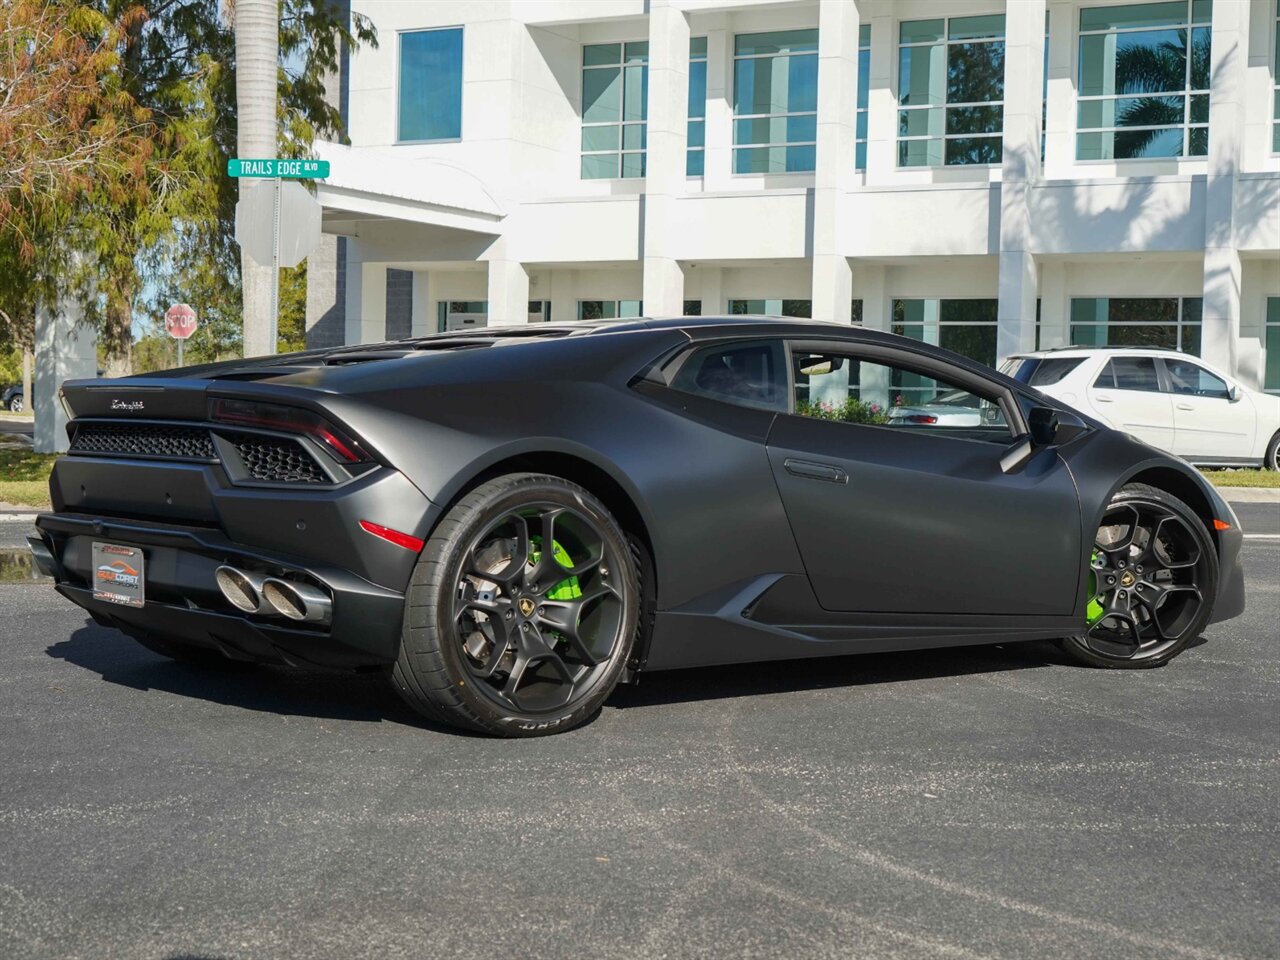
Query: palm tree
point(1158, 69)
point(257, 26)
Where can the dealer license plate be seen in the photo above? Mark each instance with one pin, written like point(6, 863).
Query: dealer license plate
point(118, 574)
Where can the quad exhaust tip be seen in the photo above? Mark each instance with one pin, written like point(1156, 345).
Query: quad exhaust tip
point(298, 601)
point(255, 593)
point(242, 590)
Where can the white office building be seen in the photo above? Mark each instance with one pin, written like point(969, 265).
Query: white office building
point(990, 175)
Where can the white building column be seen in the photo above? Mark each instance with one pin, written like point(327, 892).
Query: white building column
point(718, 159)
point(663, 291)
point(834, 176)
point(366, 320)
point(1055, 318)
point(710, 287)
point(421, 320)
point(1220, 332)
point(1020, 171)
point(508, 291)
point(882, 107)
point(564, 296)
point(1060, 102)
point(65, 349)
point(872, 288)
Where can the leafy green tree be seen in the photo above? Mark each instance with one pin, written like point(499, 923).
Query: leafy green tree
point(127, 205)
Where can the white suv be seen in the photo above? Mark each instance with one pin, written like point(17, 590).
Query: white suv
point(1171, 400)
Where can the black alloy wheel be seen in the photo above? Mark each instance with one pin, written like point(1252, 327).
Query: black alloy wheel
point(1153, 576)
point(527, 611)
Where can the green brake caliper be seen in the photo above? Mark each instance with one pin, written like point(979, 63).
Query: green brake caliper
point(1094, 611)
point(566, 589)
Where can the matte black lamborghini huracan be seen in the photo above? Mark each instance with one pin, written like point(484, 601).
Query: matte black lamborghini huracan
point(511, 521)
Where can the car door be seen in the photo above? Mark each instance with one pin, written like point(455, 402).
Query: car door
point(1128, 394)
point(902, 515)
point(1207, 423)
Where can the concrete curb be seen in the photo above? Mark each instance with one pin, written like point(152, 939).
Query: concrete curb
point(1249, 494)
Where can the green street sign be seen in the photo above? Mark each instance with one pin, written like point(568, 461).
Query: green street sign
point(291, 169)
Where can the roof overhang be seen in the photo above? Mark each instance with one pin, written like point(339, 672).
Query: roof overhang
point(368, 183)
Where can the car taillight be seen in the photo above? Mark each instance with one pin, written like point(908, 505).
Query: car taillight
point(274, 416)
point(920, 418)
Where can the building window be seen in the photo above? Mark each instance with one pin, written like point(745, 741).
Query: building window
point(695, 157)
point(1144, 81)
point(864, 82)
point(1271, 375)
point(1275, 94)
point(772, 308)
point(693, 308)
point(855, 313)
point(1169, 322)
point(615, 106)
point(775, 102)
point(966, 326)
point(950, 91)
point(460, 314)
point(430, 105)
point(609, 309)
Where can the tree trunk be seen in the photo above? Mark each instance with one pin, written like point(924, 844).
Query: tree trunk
point(27, 406)
point(117, 334)
point(257, 24)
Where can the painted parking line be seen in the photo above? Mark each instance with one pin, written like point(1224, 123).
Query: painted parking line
point(1262, 536)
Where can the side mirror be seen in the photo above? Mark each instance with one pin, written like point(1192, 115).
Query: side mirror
point(1047, 426)
point(1233, 393)
point(1042, 424)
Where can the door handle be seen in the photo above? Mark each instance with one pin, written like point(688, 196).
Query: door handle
point(815, 471)
point(1104, 398)
point(1185, 406)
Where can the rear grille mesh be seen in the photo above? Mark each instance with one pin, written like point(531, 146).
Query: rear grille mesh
point(266, 459)
point(276, 459)
point(145, 440)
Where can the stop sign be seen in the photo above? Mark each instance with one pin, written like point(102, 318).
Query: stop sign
point(180, 321)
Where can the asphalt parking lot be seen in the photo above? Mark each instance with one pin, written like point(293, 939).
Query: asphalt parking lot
point(989, 802)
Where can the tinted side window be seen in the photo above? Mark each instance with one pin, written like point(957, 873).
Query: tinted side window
point(1052, 370)
point(846, 388)
point(1130, 373)
point(746, 374)
point(1191, 379)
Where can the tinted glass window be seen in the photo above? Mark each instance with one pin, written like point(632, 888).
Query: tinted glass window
point(1191, 379)
point(748, 374)
point(431, 85)
point(1036, 372)
point(1130, 373)
point(844, 388)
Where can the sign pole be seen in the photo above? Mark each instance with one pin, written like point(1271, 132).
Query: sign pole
point(180, 343)
point(272, 326)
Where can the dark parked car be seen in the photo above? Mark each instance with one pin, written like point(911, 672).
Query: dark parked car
point(12, 398)
point(510, 521)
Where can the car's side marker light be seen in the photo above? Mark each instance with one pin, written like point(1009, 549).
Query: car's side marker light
point(1221, 525)
point(393, 536)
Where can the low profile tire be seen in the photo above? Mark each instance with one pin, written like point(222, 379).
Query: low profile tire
point(1153, 576)
point(522, 610)
point(187, 653)
point(1272, 460)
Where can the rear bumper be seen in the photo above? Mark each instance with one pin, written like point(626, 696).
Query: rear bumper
point(183, 601)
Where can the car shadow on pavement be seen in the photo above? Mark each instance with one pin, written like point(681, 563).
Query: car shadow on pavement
point(752, 679)
point(369, 698)
point(317, 693)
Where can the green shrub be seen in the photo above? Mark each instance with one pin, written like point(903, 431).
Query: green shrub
point(851, 410)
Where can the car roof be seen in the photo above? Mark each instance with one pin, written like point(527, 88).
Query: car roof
point(1107, 351)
